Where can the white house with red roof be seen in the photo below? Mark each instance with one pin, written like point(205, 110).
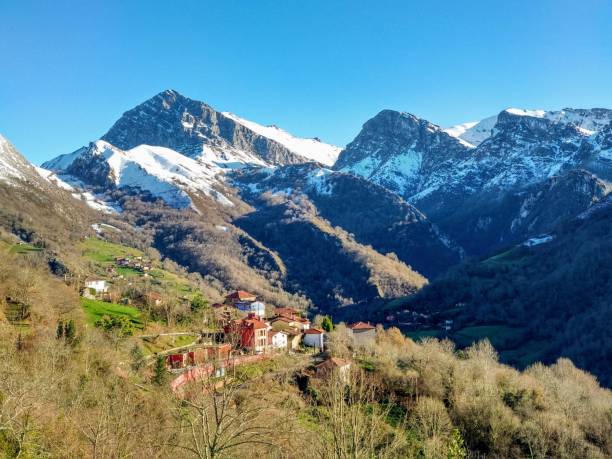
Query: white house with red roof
point(314, 337)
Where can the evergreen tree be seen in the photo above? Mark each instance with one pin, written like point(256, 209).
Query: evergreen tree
point(160, 375)
point(70, 331)
point(327, 324)
point(59, 333)
point(138, 357)
point(198, 303)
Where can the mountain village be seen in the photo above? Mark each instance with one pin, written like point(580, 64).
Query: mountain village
point(240, 330)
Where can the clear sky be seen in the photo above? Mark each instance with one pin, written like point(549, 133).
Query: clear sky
point(313, 67)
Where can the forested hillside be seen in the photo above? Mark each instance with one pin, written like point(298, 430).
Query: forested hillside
point(555, 293)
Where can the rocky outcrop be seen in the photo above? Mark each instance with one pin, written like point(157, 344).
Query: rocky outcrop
point(194, 129)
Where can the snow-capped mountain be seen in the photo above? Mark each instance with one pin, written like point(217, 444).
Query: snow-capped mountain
point(312, 149)
point(172, 147)
point(14, 168)
point(159, 171)
point(197, 130)
point(403, 153)
point(589, 121)
point(432, 168)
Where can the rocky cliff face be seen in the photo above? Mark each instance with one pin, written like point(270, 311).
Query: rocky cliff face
point(402, 152)
point(194, 129)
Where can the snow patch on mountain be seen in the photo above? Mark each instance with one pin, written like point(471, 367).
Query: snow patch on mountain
point(539, 240)
point(318, 181)
point(10, 161)
point(523, 112)
point(78, 191)
point(161, 171)
point(312, 149)
point(475, 132)
point(588, 122)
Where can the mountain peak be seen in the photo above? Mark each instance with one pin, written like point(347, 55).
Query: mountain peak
point(394, 148)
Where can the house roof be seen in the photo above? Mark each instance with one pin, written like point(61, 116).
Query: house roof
point(282, 319)
point(240, 295)
point(313, 331)
point(94, 279)
point(286, 311)
point(256, 323)
point(333, 362)
point(289, 319)
point(285, 327)
point(361, 326)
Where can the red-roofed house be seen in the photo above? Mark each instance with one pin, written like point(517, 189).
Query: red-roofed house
point(252, 333)
point(363, 333)
point(314, 337)
point(240, 296)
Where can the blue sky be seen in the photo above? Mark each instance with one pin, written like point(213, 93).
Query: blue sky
point(315, 68)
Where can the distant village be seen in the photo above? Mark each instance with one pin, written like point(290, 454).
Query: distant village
point(244, 330)
point(249, 333)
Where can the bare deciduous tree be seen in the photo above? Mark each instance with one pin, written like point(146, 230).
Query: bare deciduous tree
point(356, 426)
point(219, 417)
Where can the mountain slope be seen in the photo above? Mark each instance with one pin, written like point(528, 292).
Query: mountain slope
point(553, 291)
point(312, 149)
point(371, 213)
point(35, 210)
point(490, 221)
point(325, 263)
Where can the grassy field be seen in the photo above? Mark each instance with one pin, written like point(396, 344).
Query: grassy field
point(170, 281)
point(525, 355)
point(501, 336)
point(426, 333)
point(24, 248)
point(95, 309)
point(128, 272)
point(163, 343)
point(104, 252)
